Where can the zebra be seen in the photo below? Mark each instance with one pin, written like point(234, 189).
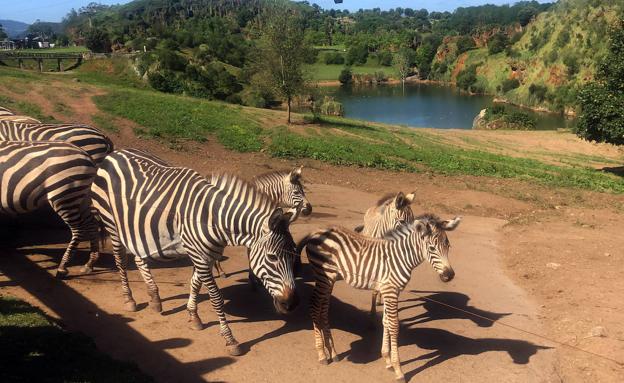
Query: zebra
point(88, 138)
point(60, 174)
point(158, 211)
point(286, 189)
point(374, 264)
point(7, 115)
point(390, 212)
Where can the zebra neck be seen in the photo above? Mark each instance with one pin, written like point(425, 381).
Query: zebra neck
point(408, 256)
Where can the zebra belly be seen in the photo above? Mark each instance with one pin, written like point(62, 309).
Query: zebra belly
point(361, 282)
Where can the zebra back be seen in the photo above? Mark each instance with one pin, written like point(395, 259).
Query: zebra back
point(88, 138)
point(390, 212)
point(286, 189)
point(18, 118)
point(5, 112)
point(35, 173)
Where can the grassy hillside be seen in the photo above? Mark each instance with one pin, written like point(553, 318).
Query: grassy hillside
point(556, 53)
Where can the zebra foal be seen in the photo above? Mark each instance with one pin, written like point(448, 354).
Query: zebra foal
point(162, 212)
point(390, 212)
point(374, 264)
point(33, 174)
point(87, 138)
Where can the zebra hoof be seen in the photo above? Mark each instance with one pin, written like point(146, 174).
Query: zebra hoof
point(196, 323)
point(61, 274)
point(156, 306)
point(400, 380)
point(324, 362)
point(336, 359)
point(130, 306)
point(86, 270)
point(234, 349)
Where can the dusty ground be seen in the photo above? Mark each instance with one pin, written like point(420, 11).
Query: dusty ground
point(541, 317)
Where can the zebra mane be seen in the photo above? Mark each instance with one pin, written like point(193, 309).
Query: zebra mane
point(428, 219)
point(272, 174)
point(224, 181)
point(385, 199)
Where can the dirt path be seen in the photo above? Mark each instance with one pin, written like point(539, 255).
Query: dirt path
point(437, 343)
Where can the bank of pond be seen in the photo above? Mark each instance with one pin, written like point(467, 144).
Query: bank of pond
point(440, 107)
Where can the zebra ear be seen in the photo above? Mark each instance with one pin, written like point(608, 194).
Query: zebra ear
point(295, 174)
point(279, 220)
point(451, 224)
point(410, 198)
point(420, 227)
point(400, 201)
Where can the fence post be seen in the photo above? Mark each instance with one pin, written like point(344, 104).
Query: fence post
point(40, 62)
point(60, 65)
point(20, 62)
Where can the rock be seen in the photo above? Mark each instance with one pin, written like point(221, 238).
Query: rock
point(479, 120)
point(75, 79)
point(598, 331)
point(553, 265)
point(607, 254)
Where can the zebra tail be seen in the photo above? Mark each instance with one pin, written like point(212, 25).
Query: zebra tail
point(359, 229)
point(102, 233)
point(303, 244)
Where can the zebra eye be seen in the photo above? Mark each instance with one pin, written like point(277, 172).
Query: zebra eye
point(272, 257)
point(432, 249)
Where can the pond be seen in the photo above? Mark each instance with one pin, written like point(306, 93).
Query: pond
point(423, 105)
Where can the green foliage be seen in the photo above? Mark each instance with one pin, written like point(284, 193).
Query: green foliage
point(330, 107)
point(98, 40)
point(509, 84)
point(384, 58)
point(334, 58)
point(611, 69)
point(497, 43)
point(346, 76)
point(34, 349)
point(513, 119)
point(571, 62)
point(465, 43)
point(246, 138)
point(25, 108)
point(357, 54)
point(538, 91)
point(467, 78)
point(562, 39)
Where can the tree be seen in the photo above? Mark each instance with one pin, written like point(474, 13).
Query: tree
point(602, 102)
point(465, 43)
point(346, 76)
point(3, 34)
point(281, 52)
point(498, 43)
point(402, 63)
point(98, 41)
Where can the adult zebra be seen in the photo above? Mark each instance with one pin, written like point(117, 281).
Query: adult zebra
point(162, 212)
point(7, 115)
point(88, 138)
point(374, 264)
point(390, 212)
point(34, 174)
point(285, 188)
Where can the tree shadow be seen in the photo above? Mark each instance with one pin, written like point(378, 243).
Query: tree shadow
point(617, 170)
point(435, 309)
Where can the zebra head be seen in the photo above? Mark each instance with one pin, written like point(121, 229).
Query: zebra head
point(398, 211)
point(271, 259)
point(434, 243)
point(293, 195)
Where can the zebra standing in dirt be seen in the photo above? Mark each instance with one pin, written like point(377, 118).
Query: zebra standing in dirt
point(374, 264)
point(88, 138)
point(162, 212)
point(389, 213)
point(286, 189)
point(34, 174)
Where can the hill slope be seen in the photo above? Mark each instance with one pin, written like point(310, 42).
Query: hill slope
point(14, 28)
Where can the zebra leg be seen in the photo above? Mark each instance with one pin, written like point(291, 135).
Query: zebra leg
point(385, 343)
point(121, 261)
point(373, 310)
point(327, 336)
point(391, 303)
point(196, 323)
point(61, 271)
point(94, 255)
point(152, 289)
point(216, 299)
point(315, 313)
point(220, 269)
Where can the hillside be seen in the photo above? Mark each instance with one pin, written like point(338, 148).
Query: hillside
point(550, 57)
point(14, 28)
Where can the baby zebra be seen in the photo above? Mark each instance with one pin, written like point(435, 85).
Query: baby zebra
point(374, 264)
point(87, 138)
point(286, 189)
point(35, 174)
point(390, 212)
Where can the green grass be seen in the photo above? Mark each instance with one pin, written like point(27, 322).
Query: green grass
point(79, 49)
point(34, 349)
point(25, 108)
point(106, 72)
point(324, 72)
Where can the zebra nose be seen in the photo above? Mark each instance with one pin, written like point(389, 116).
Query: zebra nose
point(288, 301)
point(447, 275)
point(307, 209)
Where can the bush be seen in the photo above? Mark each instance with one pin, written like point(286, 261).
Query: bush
point(331, 107)
point(562, 39)
point(384, 58)
point(509, 84)
point(465, 43)
point(497, 43)
point(165, 81)
point(98, 40)
point(601, 117)
point(380, 76)
point(538, 91)
point(334, 58)
point(357, 54)
point(467, 77)
point(346, 76)
point(571, 63)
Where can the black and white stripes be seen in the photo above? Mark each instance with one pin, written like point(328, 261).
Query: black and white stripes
point(373, 264)
point(34, 174)
point(162, 212)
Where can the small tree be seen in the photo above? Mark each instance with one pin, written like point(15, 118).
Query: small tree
point(3, 34)
point(346, 76)
point(98, 41)
point(402, 63)
point(281, 52)
point(497, 43)
point(601, 118)
point(465, 43)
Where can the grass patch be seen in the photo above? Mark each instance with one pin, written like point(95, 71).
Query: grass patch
point(78, 49)
point(26, 108)
point(325, 72)
point(105, 122)
point(106, 72)
point(36, 350)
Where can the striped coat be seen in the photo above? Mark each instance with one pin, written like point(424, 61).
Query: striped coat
point(373, 264)
point(89, 139)
point(162, 212)
point(7, 115)
point(34, 174)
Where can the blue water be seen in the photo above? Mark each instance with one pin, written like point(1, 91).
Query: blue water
point(422, 105)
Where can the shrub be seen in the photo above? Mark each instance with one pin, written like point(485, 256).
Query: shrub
point(357, 54)
point(331, 107)
point(464, 43)
point(384, 58)
point(98, 40)
point(572, 64)
point(346, 76)
point(562, 39)
point(538, 91)
point(497, 43)
point(165, 81)
point(467, 77)
point(509, 84)
point(334, 58)
point(380, 76)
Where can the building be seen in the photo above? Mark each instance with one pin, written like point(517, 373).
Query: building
point(7, 45)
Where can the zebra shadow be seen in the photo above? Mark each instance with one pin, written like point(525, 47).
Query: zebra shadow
point(436, 306)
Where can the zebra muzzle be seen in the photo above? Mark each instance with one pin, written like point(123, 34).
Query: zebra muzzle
point(447, 275)
point(287, 302)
